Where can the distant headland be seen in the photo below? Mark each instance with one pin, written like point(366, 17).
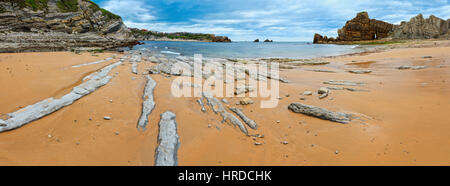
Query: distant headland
point(146, 35)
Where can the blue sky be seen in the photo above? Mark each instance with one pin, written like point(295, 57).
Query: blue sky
point(280, 20)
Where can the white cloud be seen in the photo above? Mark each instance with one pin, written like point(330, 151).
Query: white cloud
point(280, 20)
point(130, 9)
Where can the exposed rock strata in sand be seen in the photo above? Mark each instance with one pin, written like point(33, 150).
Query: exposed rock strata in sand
point(92, 63)
point(148, 105)
point(320, 113)
point(218, 108)
point(168, 141)
point(344, 83)
point(50, 105)
point(252, 124)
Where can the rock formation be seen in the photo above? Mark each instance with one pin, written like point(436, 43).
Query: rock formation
point(51, 25)
point(256, 41)
point(420, 28)
point(360, 28)
point(221, 39)
point(146, 35)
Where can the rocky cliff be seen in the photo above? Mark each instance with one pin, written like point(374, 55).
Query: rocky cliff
point(420, 28)
point(360, 28)
point(53, 25)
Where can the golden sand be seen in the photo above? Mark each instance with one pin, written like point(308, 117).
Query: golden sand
point(405, 113)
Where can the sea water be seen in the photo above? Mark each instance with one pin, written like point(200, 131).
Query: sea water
point(303, 50)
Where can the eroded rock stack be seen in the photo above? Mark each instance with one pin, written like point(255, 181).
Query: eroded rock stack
point(59, 25)
point(360, 28)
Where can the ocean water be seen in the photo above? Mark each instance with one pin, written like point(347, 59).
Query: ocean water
point(302, 50)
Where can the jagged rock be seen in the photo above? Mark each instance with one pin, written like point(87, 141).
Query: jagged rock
point(50, 105)
point(168, 141)
point(148, 104)
point(320, 113)
point(252, 124)
point(420, 28)
point(256, 41)
point(49, 28)
point(360, 28)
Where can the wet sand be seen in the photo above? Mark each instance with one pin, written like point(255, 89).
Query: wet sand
point(405, 115)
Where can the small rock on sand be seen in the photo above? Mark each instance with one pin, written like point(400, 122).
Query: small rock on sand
point(323, 90)
point(308, 93)
point(360, 71)
point(404, 67)
point(107, 118)
point(419, 67)
point(246, 101)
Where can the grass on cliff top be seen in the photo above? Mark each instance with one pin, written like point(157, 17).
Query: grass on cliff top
point(105, 12)
point(35, 5)
point(176, 35)
point(67, 5)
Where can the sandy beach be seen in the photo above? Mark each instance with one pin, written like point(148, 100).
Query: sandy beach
point(404, 114)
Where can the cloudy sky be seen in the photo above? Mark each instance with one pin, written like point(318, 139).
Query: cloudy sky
point(280, 20)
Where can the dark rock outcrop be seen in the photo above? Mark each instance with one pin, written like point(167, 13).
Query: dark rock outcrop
point(360, 28)
point(256, 41)
point(420, 28)
point(268, 41)
point(221, 39)
point(55, 25)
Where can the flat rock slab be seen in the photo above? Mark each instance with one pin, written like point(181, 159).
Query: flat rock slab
point(320, 113)
point(360, 71)
point(148, 105)
point(168, 141)
point(344, 83)
point(92, 63)
point(50, 105)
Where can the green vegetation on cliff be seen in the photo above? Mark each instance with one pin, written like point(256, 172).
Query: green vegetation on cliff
point(105, 12)
point(177, 35)
point(2, 10)
point(35, 5)
point(67, 5)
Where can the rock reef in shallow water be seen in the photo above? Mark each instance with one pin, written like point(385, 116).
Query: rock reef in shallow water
point(56, 25)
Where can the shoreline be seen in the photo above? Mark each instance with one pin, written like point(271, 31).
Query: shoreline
point(79, 135)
